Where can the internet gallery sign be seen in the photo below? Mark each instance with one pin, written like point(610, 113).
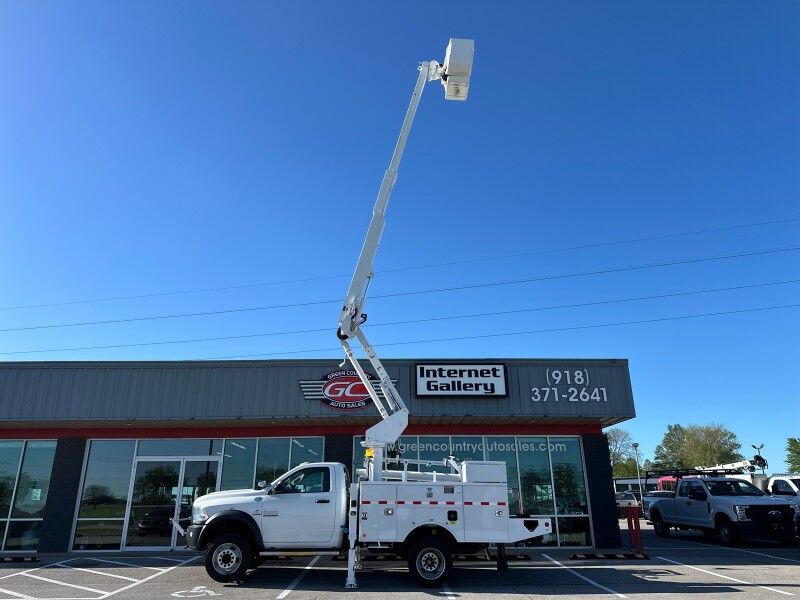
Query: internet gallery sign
point(461, 380)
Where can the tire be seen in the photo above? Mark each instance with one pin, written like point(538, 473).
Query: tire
point(727, 532)
point(228, 558)
point(710, 534)
point(430, 562)
point(661, 529)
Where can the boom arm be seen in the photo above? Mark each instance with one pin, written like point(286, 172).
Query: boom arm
point(455, 76)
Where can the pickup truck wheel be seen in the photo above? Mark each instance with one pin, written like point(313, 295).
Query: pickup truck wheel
point(726, 532)
point(228, 558)
point(710, 534)
point(430, 561)
point(661, 528)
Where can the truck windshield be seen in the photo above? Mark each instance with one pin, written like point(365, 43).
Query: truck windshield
point(732, 488)
point(796, 482)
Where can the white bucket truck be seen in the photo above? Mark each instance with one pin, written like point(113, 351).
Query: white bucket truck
point(314, 509)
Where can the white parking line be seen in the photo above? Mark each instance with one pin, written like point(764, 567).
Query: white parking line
point(177, 560)
point(775, 556)
point(16, 594)
point(96, 572)
point(72, 585)
point(725, 576)
point(119, 562)
point(586, 579)
point(61, 562)
point(448, 593)
point(298, 579)
point(148, 578)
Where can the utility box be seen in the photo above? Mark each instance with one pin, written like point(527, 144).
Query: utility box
point(484, 472)
point(458, 68)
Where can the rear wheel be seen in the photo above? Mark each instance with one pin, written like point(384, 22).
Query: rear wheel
point(661, 528)
point(228, 558)
point(430, 562)
point(727, 532)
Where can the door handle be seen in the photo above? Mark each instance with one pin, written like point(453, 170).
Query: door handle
point(323, 501)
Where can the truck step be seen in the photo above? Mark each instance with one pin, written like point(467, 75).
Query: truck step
point(299, 553)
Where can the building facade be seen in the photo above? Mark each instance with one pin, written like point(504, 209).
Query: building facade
point(100, 455)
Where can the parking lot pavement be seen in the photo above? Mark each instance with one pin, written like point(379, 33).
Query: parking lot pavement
point(682, 564)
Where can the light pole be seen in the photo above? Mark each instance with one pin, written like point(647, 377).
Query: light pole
point(638, 477)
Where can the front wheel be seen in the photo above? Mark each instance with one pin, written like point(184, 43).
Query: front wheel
point(430, 562)
point(726, 532)
point(661, 528)
point(228, 558)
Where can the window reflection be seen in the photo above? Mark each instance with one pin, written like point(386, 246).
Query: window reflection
point(169, 447)
point(108, 475)
point(504, 449)
point(9, 463)
point(34, 479)
point(568, 478)
point(306, 450)
point(238, 461)
point(273, 458)
point(534, 470)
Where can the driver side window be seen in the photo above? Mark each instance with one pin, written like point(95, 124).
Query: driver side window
point(306, 481)
point(683, 489)
point(781, 486)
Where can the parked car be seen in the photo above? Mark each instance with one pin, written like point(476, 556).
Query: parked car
point(724, 508)
point(624, 500)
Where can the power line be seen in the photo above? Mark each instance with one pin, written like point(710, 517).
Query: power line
point(527, 332)
point(398, 269)
point(411, 293)
point(411, 321)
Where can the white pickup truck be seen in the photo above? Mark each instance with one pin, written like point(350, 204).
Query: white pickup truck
point(313, 510)
point(725, 508)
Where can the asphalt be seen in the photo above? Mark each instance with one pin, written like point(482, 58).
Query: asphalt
point(683, 564)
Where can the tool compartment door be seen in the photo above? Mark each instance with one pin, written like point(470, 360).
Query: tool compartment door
point(427, 503)
point(377, 514)
point(485, 512)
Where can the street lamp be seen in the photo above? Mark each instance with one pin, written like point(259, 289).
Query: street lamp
point(638, 477)
point(758, 459)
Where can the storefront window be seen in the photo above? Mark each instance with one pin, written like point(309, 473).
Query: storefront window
point(179, 447)
point(568, 477)
point(466, 448)
point(23, 535)
point(98, 534)
point(272, 459)
point(34, 480)
point(10, 453)
point(108, 475)
point(574, 531)
point(238, 461)
point(435, 449)
point(534, 467)
point(306, 450)
point(504, 449)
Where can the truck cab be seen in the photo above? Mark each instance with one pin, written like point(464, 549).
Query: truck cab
point(304, 509)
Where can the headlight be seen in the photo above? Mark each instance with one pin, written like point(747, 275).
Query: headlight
point(741, 513)
point(199, 515)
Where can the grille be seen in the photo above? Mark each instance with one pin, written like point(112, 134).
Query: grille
point(760, 514)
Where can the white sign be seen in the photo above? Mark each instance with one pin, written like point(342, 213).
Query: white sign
point(461, 380)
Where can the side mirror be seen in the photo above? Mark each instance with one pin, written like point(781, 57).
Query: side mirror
point(261, 484)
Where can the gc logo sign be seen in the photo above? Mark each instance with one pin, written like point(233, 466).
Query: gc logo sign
point(340, 390)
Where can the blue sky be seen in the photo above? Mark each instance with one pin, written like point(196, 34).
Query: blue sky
point(154, 147)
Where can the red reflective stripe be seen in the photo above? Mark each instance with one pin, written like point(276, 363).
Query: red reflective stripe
point(485, 503)
point(467, 503)
point(501, 504)
point(450, 503)
point(382, 501)
point(365, 502)
point(416, 502)
point(434, 502)
point(401, 501)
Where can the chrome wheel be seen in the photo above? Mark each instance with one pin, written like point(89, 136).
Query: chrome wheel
point(430, 564)
point(227, 558)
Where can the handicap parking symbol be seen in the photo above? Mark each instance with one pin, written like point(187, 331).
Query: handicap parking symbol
point(195, 592)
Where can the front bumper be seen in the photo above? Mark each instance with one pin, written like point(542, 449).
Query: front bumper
point(193, 535)
point(778, 531)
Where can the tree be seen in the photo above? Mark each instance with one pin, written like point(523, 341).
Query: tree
point(696, 445)
point(793, 454)
point(619, 445)
point(626, 468)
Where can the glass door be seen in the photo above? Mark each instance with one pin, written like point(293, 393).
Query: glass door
point(161, 490)
point(152, 503)
point(200, 477)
